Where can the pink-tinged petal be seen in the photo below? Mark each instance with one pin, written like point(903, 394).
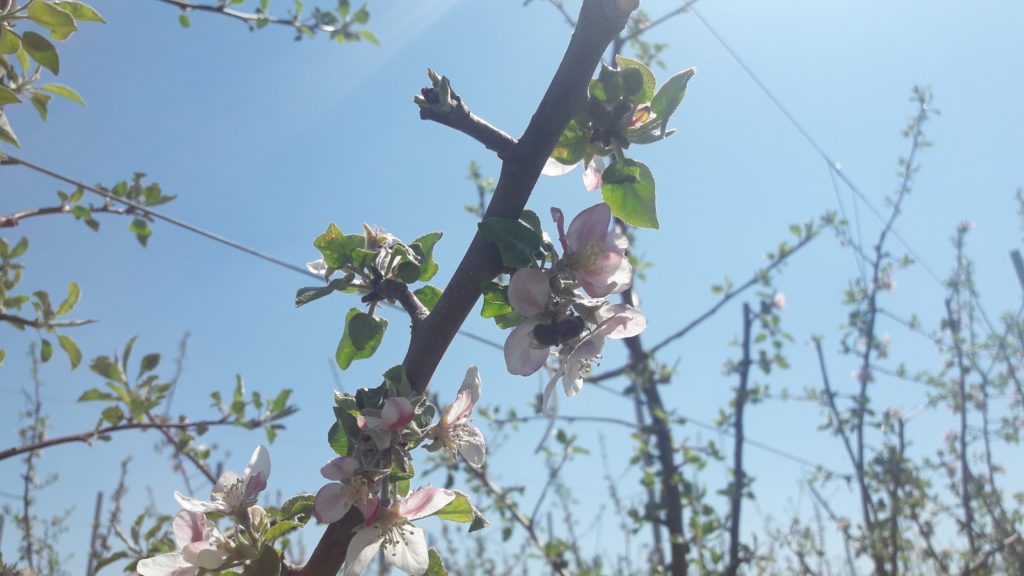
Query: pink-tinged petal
point(424, 502)
point(397, 413)
point(341, 468)
point(257, 472)
point(370, 510)
point(409, 553)
point(332, 502)
point(592, 175)
point(622, 321)
point(188, 527)
point(559, 219)
point(225, 482)
point(361, 550)
point(604, 275)
point(521, 357)
point(171, 564)
point(555, 168)
point(362, 422)
point(204, 555)
point(473, 447)
point(196, 505)
point(588, 226)
point(529, 292)
point(467, 397)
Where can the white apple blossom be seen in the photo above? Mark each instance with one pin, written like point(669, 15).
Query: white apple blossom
point(233, 493)
point(454, 430)
point(404, 545)
point(351, 488)
point(200, 546)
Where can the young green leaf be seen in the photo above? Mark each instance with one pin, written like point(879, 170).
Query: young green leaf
point(49, 16)
point(628, 188)
point(306, 295)
point(368, 331)
point(41, 50)
point(435, 567)
point(516, 241)
point(670, 95)
point(428, 296)
point(65, 91)
point(458, 510)
point(648, 83)
point(10, 43)
point(7, 96)
point(71, 349)
point(6, 132)
point(69, 303)
point(81, 12)
point(45, 350)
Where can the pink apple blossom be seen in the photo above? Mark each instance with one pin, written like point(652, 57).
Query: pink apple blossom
point(591, 175)
point(405, 546)
point(200, 546)
point(454, 431)
point(594, 254)
point(351, 488)
point(396, 414)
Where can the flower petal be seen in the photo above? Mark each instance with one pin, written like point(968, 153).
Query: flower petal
point(529, 292)
point(521, 358)
point(559, 219)
point(196, 505)
point(473, 448)
point(188, 527)
point(318, 267)
point(467, 397)
point(620, 321)
point(409, 553)
point(361, 550)
point(555, 168)
point(592, 175)
point(424, 502)
point(204, 555)
point(257, 472)
point(397, 413)
point(341, 468)
point(332, 502)
point(171, 564)
point(590, 225)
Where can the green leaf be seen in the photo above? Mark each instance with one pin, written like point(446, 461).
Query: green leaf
point(424, 249)
point(71, 349)
point(81, 12)
point(3, 354)
point(408, 271)
point(183, 20)
point(363, 329)
point(105, 367)
point(370, 37)
point(337, 248)
point(7, 96)
point(41, 50)
point(495, 300)
point(6, 132)
point(141, 230)
point(670, 95)
point(628, 188)
point(516, 241)
point(479, 521)
point(65, 91)
point(428, 296)
point(20, 248)
point(94, 394)
point(267, 564)
point(648, 83)
point(279, 529)
point(280, 402)
point(370, 333)
point(49, 16)
point(435, 567)
point(149, 363)
point(571, 146)
point(112, 415)
point(41, 102)
point(458, 510)
point(69, 303)
point(308, 294)
point(10, 43)
point(337, 438)
point(45, 350)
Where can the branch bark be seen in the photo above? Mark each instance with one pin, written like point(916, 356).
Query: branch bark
point(599, 22)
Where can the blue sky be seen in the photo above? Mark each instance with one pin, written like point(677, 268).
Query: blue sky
point(267, 141)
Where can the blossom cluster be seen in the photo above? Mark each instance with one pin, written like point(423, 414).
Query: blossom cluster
point(564, 304)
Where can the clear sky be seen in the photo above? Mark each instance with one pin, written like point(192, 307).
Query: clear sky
point(267, 141)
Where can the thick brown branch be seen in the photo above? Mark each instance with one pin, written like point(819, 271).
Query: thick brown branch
point(461, 119)
point(599, 22)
